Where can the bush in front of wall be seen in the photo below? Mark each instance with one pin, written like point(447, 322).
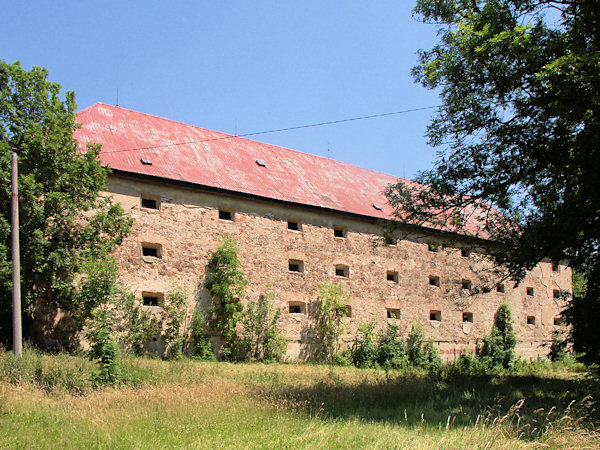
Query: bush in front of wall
point(202, 347)
point(226, 284)
point(261, 339)
point(499, 346)
point(364, 349)
point(174, 313)
point(329, 310)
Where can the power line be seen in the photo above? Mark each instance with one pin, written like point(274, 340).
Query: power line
point(319, 124)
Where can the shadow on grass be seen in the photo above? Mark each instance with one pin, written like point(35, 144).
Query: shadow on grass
point(530, 403)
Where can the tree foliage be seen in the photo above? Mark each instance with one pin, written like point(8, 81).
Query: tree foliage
point(64, 223)
point(518, 130)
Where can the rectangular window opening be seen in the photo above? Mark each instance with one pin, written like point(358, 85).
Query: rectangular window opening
point(393, 313)
point(151, 250)
point(392, 276)
point(556, 293)
point(500, 288)
point(555, 267)
point(435, 315)
point(465, 252)
point(339, 232)
point(152, 299)
point(342, 271)
point(295, 265)
point(225, 214)
point(466, 285)
point(530, 291)
point(530, 320)
point(434, 281)
point(468, 317)
point(297, 308)
point(294, 225)
point(150, 201)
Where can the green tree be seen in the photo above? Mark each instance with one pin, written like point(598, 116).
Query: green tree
point(63, 221)
point(518, 130)
point(226, 284)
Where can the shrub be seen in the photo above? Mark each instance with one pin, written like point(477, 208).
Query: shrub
point(422, 352)
point(226, 284)
point(499, 346)
point(261, 340)
point(174, 312)
point(137, 325)
point(104, 349)
point(202, 347)
point(329, 309)
point(558, 349)
point(391, 350)
point(364, 349)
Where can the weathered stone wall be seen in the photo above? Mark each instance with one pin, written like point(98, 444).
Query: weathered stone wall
point(188, 228)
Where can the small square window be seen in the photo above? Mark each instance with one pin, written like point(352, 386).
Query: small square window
point(433, 246)
point(555, 267)
point(392, 276)
point(434, 281)
point(468, 317)
point(225, 214)
point(297, 308)
point(556, 293)
point(435, 316)
point(500, 288)
point(530, 291)
point(151, 250)
point(339, 231)
point(530, 320)
point(558, 321)
point(342, 271)
point(294, 225)
point(295, 265)
point(152, 299)
point(150, 201)
point(393, 313)
point(466, 285)
point(465, 252)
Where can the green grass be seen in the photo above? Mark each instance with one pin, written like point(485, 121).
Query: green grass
point(223, 405)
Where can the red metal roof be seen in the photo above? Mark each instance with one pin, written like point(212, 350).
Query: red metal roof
point(209, 158)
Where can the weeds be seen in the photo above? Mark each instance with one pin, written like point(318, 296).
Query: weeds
point(191, 404)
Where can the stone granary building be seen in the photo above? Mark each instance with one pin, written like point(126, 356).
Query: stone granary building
point(299, 220)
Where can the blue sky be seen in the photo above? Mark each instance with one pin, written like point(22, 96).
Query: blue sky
point(244, 66)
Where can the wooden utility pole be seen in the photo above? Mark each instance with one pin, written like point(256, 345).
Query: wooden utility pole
point(16, 260)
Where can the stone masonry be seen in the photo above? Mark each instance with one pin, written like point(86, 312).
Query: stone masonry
point(424, 277)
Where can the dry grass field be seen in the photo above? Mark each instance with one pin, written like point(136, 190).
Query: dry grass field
point(47, 401)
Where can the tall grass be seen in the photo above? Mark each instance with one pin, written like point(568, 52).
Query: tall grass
point(48, 401)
